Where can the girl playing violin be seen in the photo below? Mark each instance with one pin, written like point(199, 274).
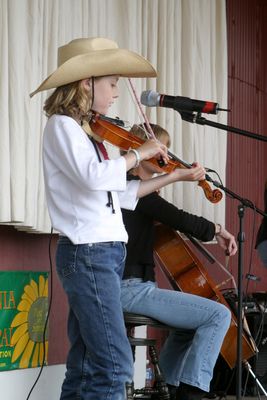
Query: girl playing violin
point(190, 352)
point(85, 192)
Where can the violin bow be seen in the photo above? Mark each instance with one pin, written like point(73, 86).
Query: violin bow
point(212, 195)
point(147, 127)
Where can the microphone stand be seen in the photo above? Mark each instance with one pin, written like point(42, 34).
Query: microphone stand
point(198, 119)
point(244, 203)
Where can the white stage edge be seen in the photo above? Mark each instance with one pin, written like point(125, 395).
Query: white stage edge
point(16, 385)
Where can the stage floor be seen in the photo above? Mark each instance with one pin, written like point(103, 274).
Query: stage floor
point(232, 397)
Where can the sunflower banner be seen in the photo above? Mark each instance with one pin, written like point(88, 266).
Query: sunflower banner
point(23, 315)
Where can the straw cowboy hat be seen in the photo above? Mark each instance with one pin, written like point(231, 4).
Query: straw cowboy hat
point(84, 58)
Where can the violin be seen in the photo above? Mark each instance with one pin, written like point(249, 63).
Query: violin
point(119, 137)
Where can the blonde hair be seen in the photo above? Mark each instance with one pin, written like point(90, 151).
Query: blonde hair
point(72, 99)
point(159, 132)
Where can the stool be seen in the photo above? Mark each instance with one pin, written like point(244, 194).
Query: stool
point(160, 389)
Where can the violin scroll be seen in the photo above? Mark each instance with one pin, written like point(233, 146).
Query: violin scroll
point(214, 196)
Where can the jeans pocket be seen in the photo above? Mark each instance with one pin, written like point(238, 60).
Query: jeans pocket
point(66, 259)
point(68, 270)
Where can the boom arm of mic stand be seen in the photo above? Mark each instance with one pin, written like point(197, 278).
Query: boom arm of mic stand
point(247, 203)
point(198, 119)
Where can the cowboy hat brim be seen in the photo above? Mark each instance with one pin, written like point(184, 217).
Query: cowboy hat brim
point(105, 62)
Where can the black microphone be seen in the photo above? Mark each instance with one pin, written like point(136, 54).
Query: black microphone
point(151, 98)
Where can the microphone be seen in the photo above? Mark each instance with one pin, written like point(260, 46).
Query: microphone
point(151, 98)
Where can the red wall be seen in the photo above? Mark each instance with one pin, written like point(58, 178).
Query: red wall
point(23, 251)
point(246, 157)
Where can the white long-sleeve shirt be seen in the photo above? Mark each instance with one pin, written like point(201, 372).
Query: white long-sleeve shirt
point(77, 183)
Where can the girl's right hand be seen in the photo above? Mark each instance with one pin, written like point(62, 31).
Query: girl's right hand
point(153, 149)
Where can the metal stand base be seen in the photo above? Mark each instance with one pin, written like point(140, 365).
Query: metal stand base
point(248, 367)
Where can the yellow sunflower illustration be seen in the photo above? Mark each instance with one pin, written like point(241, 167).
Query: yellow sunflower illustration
point(29, 324)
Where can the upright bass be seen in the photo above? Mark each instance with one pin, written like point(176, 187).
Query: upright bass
point(187, 274)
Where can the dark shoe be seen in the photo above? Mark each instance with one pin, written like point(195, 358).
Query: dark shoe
point(212, 395)
point(187, 392)
point(172, 392)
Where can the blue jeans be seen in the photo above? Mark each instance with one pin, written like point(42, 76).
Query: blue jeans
point(100, 360)
point(190, 352)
